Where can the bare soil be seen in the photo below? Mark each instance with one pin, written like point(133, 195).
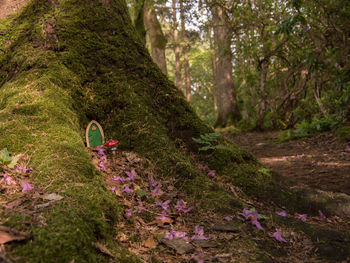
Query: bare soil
point(321, 162)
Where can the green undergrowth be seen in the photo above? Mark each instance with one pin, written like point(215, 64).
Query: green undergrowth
point(63, 65)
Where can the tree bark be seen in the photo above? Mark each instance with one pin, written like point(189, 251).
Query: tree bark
point(228, 111)
point(178, 80)
point(212, 60)
point(184, 42)
point(157, 39)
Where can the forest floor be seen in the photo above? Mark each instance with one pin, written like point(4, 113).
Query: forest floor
point(160, 223)
point(321, 162)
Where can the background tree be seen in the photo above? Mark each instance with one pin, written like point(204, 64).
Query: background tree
point(228, 111)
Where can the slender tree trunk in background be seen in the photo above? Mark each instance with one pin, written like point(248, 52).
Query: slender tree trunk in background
point(263, 94)
point(138, 18)
point(156, 36)
point(212, 60)
point(178, 79)
point(185, 53)
point(228, 111)
point(317, 95)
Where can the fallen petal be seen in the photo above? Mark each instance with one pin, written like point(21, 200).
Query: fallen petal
point(128, 212)
point(282, 213)
point(228, 218)
point(127, 190)
point(302, 217)
point(257, 224)
point(27, 187)
point(277, 235)
point(321, 216)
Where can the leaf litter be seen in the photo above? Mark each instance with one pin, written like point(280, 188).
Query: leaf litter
point(20, 195)
point(165, 225)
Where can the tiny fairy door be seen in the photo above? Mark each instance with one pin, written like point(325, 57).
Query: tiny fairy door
point(94, 134)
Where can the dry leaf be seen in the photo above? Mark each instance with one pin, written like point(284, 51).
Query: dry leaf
point(14, 203)
point(131, 157)
point(150, 242)
point(6, 237)
point(52, 197)
point(102, 248)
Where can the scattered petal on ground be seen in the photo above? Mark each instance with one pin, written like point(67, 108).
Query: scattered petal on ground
point(127, 190)
point(162, 216)
point(140, 208)
point(282, 213)
point(321, 216)
point(8, 180)
point(128, 212)
point(199, 234)
point(27, 187)
point(212, 173)
point(164, 205)
point(181, 207)
point(152, 181)
point(174, 234)
point(277, 235)
point(155, 191)
point(131, 175)
point(302, 217)
point(228, 218)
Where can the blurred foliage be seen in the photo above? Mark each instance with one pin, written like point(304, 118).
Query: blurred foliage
point(291, 61)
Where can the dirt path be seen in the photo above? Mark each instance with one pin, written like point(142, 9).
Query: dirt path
point(319, 162)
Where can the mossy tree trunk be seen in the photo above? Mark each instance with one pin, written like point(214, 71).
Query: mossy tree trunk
point(66, 62)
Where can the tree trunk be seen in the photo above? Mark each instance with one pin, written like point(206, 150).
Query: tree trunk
point(138, 13)
point(212, 60)
point(184, 42)
point(156, 36)
point(178, 79)
point(228, 112)
point(263, 94)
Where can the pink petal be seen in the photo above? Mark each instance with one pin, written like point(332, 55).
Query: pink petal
point(128, 212)
point(257, 224)
point(199, 234)
point(277, 236)
point(127, 190)
point(321, 216)
point(27, 186)
point(164, 205)
point(282, 213)
point(155, 191)
point(152, 181)
point(8, 180)
point(185, 211)
point(162, 216)
point(228, 218)
point(302, 217)
point(140, 208)
point(211, 173)
point(131, 175)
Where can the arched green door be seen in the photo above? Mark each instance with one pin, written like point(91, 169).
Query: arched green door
point(94, 134)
